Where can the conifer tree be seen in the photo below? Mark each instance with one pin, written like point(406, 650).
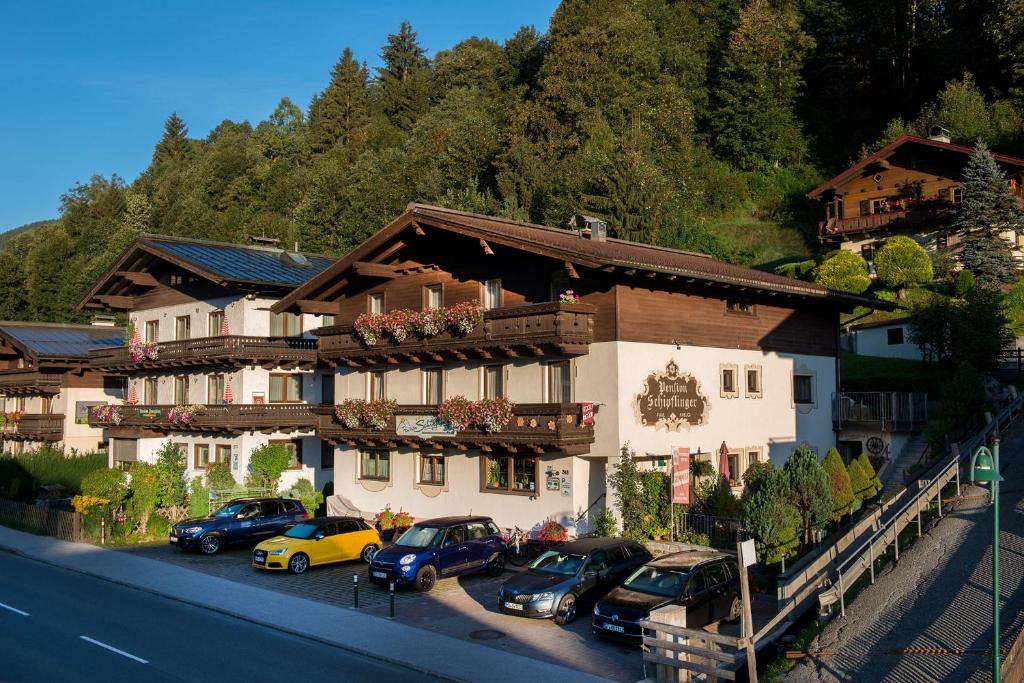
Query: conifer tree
point(174, 143)
point(770, 517)
point(869, 473)
point(404, 80)
point(809, 490)
point(754, 122)
point(342, 108)
point(838, 483)
point(987, 210)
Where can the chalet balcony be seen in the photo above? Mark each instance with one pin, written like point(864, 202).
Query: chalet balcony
point(228, 351)
point(25, 381)
point(532, 330)
point(535, 428)
point(891, 411)
point(231, 419)
point(906, 218)
point(35, 427)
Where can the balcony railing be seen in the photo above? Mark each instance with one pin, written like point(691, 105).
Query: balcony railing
point(236, 351)
point(887, 410)
point(22, 381)
point(531, 330)
point(834, 227)
point(534, 428)
point(35, 427)
point(229, 419)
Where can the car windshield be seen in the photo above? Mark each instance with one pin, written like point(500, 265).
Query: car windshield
point(656, 581)
point(303, 531)
point(229, 510)
point(554, 562)
point(421, 537)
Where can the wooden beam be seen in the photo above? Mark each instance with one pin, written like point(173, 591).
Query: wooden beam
point(509, 351)
point(114, 301)
point(418, 230)
point(138, 278)
point(571, 270)
point(375, 270)
point(318, 307)
point(631, 271)
point(486, 247)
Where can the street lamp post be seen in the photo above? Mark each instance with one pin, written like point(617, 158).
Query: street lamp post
point(985, 467)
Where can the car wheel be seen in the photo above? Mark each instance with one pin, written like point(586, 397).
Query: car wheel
point(425, 579)
point(735, 608)
point(298, 564)
point(368, 553)
point(210, 544)
point(566, 613)
point(496, 567)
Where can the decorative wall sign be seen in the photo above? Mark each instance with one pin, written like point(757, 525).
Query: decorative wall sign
point(671, 400)
point(150, 413)
point(82, 409)
point(681, 476)
point(875, 445)
point(422, 426)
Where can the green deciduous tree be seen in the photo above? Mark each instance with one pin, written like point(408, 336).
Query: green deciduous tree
point(172, 492)
point(902, 262)
point(627, 486)
point(838, 484)
point(845, 271)
point(809, 490)
point(106, 483)
point(266, 464)
point(144, 485)
point(219, 477)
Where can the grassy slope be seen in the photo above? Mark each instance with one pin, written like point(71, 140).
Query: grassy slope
point(873, 373)
point(757, 241)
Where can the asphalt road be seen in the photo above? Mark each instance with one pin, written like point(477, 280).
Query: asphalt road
point(938, 597)
point(59, 625)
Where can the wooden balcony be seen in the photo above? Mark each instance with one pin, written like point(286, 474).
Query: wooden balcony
point(35, 427)
point(213, 419)
point(532, 330)
point(535, 428)
point(908, 218)
point(230, 351)
point(27, 381)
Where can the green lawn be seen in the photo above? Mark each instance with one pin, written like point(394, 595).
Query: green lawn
point(874, 373)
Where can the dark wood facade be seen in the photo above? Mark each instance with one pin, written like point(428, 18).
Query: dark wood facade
point(227, 351)
point(535, 428)
point(142, 420)
point(36, 427)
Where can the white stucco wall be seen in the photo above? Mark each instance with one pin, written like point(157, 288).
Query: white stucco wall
point(873, 341)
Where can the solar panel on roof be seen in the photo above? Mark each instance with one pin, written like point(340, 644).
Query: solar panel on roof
point(246, 264)
point(63, 341)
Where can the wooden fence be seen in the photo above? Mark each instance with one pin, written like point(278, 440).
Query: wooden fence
point(43, 519)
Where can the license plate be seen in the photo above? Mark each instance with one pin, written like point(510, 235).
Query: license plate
point(513, 605)
point(380, 575)
point(614, 627)
point(174, 539)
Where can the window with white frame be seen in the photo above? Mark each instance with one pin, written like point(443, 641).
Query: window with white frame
point(752, 381)
point(728, 381)
point(432, 296)
point(375, 302)
point(375, 465)
point(492, 293)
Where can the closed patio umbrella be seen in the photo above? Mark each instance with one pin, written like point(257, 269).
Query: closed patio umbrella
point(133, 395)
point(136, 337)
point(228, 396)
point(723, 462)
point(224, 326)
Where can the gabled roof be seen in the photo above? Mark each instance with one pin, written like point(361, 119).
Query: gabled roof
point(889, 149)
point(891, 322)
point(569, 246)
point(219, 262)
point(47, 341)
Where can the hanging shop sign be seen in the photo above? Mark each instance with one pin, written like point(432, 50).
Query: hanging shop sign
point(422, 426)
point(671, 400)
point(681, 476)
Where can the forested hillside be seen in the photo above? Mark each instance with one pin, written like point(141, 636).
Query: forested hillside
point(689, 124)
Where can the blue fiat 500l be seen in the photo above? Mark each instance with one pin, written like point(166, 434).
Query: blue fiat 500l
point(440, 548)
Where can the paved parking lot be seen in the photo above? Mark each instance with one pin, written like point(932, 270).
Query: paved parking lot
point(460, 607)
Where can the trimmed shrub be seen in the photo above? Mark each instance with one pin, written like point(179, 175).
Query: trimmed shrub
point(304, 490)
point(770, 517)
point(964, 282)
point(844, 271)
point(219, 477)
point(198, 499)
point(869, 472)
point(809, 490)
point(838, 483)
point(902, 262)
point(144, 487)
point(605, 524)
point(106, 483)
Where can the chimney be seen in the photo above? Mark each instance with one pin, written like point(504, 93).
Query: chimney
point(939, 134)
point(102, 320)
point(589, 227)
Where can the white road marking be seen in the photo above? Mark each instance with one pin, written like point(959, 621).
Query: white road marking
point(140, 660)
point(15, 610)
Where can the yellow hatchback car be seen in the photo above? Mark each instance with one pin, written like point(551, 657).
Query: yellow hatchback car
point(321, 540)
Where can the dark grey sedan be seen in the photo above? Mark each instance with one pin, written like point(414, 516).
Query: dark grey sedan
point(570, 577)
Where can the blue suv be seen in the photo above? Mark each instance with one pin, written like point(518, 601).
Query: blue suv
point(243, 520)
point(440, 548)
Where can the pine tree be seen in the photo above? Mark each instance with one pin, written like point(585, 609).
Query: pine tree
point(770, 517)
point(839, 484)
point(404, 80)
point(988, 209)
point(174, 143)
point(342, 108)
point(869, 472)
point(754, 121)
point(809, 490)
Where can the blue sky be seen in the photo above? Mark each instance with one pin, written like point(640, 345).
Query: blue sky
point(87, 85)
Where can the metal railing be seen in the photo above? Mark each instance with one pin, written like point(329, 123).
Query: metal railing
point(721, 531)
point(862, 558)
point(887, 408)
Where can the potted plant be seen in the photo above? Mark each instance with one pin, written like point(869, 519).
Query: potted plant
point(401, 521)
point(569, 297)
point(378, 414)
point(350, 412)
point(495, 474)
point(457, 411)
point(552, 532)
point(385, 523)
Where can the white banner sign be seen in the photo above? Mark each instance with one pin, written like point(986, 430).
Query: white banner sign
point(423, 426)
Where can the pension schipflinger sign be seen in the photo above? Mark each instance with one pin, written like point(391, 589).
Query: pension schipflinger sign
point(671, 400)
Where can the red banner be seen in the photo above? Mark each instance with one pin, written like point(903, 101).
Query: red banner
point(681, 476)
point(588, 413)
